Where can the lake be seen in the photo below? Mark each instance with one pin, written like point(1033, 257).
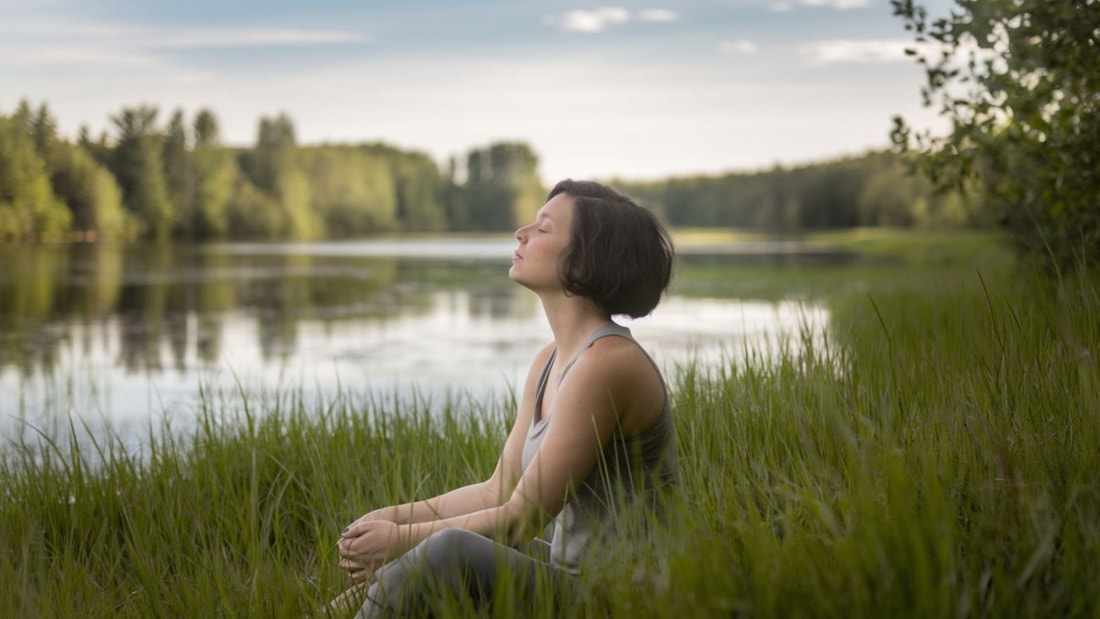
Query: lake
point(121, 334)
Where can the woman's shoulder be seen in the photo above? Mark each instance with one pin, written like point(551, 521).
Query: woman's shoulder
point(544, 354)
point(619, 359)
point(614, 343)
point(619, 368)
point(539, 362)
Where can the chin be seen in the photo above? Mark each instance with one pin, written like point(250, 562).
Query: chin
point(518, 279)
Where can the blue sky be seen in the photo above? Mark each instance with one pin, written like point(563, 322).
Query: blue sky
point(599, 89)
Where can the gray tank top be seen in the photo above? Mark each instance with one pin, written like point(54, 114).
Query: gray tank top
point(631, 468)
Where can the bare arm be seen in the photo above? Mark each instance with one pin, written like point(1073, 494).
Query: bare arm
point(462, 500)
point(483, 495)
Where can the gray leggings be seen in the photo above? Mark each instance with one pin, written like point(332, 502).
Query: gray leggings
point(455, 563)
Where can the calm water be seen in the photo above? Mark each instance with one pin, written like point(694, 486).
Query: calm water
point(117, 334)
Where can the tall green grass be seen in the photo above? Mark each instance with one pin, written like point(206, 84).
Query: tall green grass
point(937, 457)
point(238, 517)
point(935, 454)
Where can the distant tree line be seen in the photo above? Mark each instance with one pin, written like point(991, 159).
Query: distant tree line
point(179, 181)
point(144, 180)
point(875, 189)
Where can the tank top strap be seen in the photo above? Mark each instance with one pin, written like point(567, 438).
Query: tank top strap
point(609, 329)
point(540, 386)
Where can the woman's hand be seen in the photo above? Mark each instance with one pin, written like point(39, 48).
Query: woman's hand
point(385, 513)
point(367, 545)
point(357, 569)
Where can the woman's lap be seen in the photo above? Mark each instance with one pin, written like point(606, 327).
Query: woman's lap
point(456, 563)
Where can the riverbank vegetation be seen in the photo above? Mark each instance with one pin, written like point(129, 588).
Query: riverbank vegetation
point(1016, 82)
point(932, 453)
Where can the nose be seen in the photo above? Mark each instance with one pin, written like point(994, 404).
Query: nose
point(521, 233)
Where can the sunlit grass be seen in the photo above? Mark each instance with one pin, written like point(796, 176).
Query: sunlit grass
point(916, 246)
point(920, 245)
point(691, 237)
point(935, 455)
point(832, 265)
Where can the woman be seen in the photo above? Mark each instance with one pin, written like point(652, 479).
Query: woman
point(593, 431)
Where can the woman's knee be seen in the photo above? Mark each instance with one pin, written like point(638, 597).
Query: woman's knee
point(448, 548)
point(453, 537)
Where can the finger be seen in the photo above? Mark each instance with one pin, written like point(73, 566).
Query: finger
point(359, 528)
point(350, 549)
point(354, 529)
point(348, 544)
point(359, 576)
point(351, 565)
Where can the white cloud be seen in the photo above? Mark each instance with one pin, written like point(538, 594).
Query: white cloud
point(658, 15)
point(252, 37)
point(738, 46)
point(596, 20)
point(851, 51)
point(604, 18)
point(783, 6)
point(838, 4)
point(119, 45)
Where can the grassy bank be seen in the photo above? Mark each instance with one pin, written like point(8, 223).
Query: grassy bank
point(832, 265)
point(937, 459)
point(936, 456)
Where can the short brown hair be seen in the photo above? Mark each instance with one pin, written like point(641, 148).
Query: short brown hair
point(619, 255)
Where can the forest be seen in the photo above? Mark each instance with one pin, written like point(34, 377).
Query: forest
point(177, 180)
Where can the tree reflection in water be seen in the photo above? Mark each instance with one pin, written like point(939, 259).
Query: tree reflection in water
point(145, 325)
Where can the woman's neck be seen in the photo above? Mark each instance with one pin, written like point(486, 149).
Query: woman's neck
point(572, 319)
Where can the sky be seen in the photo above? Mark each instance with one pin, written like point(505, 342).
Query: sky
point(618, 88)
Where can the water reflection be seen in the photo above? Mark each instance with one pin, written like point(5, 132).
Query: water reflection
point(120, 333)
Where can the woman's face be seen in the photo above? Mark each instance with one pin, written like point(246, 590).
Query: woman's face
point(536, 263)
